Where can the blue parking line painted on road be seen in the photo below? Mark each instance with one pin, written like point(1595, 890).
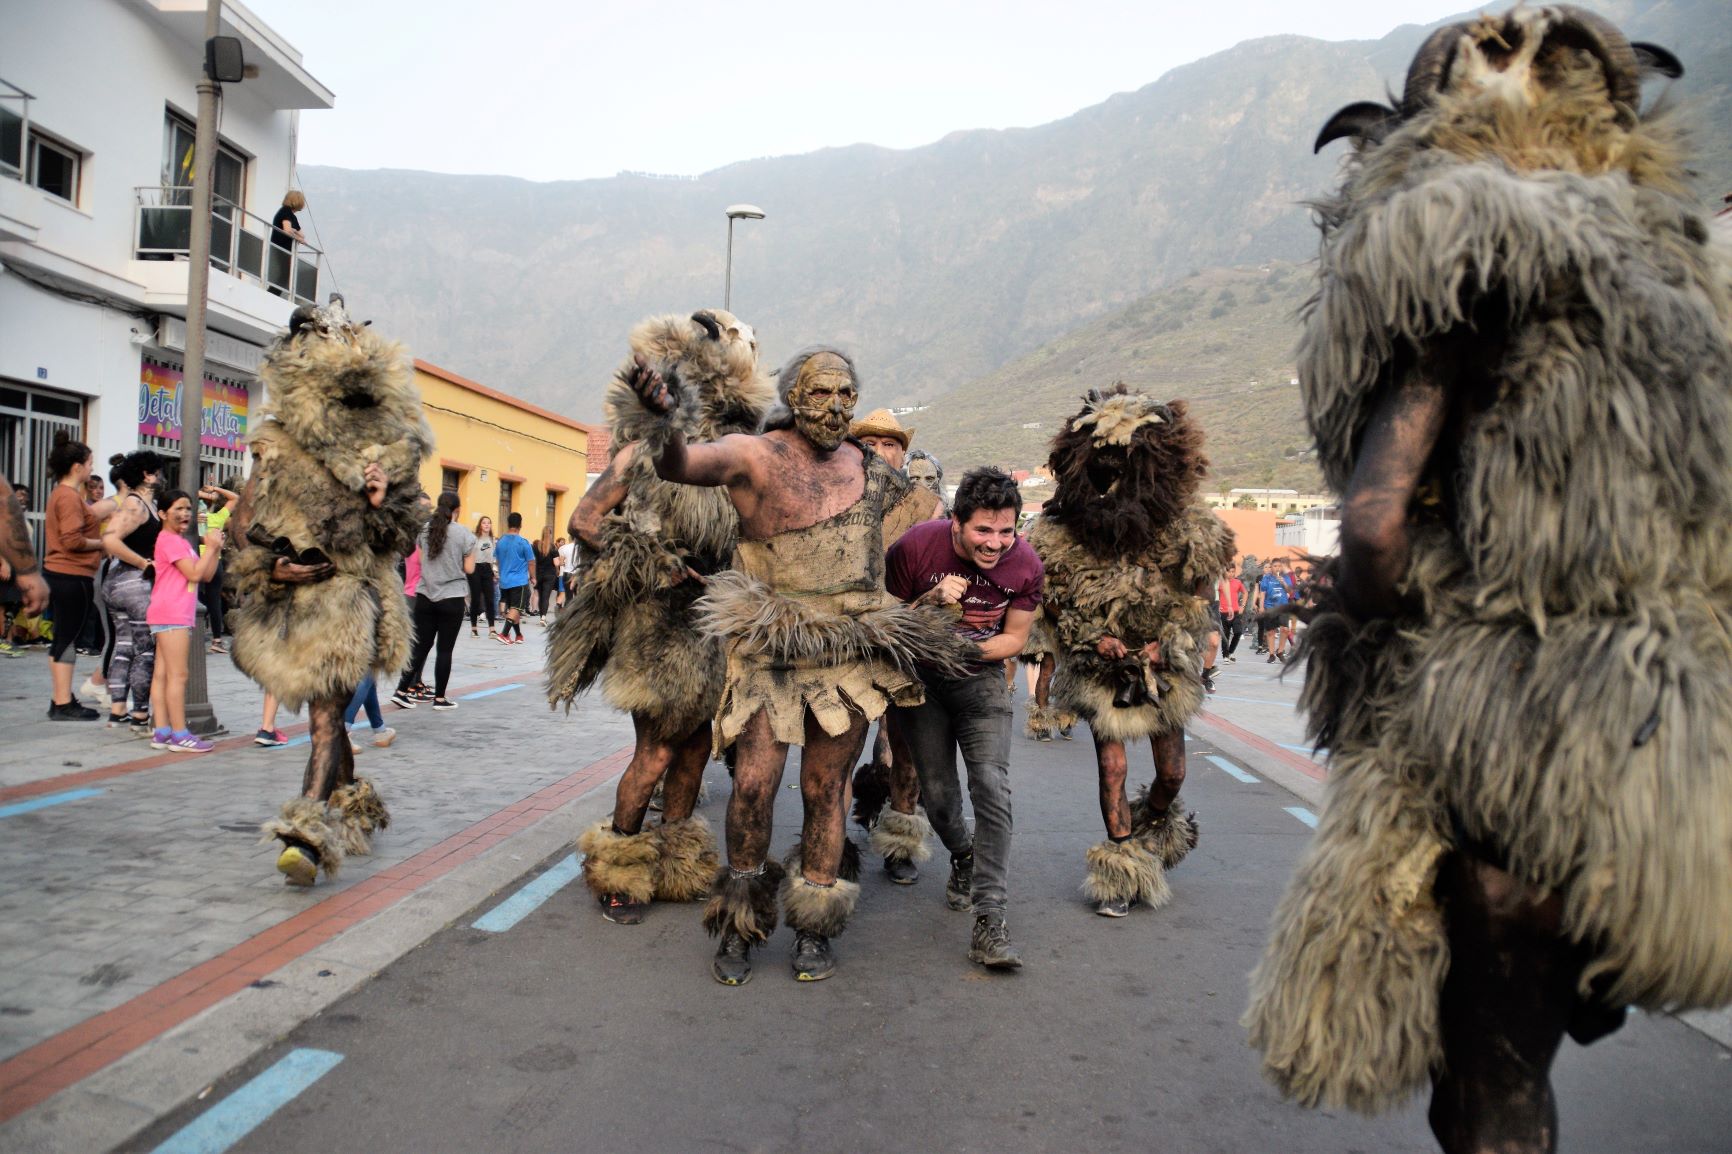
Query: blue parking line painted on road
point(525, 901)
point(241, 1112)
point(1302, 814)
point(47, 800)
point(1230, 769)
point(298, 739)
point(491, 692)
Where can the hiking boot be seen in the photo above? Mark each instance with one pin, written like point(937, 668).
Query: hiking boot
point(299, 865)
point(621, 910)
point(959, 890)
point(733, 964)
point(813, 959)
point(1113, 907)
point(1066, 731)
point(990, 946)
point(902, 871)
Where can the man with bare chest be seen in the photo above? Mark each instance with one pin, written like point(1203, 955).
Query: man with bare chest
point(816, 650)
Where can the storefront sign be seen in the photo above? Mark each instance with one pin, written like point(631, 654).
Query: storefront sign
point(222, 424)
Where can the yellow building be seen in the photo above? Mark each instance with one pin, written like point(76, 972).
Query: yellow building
point(501, 455)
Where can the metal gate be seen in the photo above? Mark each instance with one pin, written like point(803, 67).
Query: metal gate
point(29, 419)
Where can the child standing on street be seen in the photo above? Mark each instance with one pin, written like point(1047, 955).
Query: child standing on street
point(173, 603)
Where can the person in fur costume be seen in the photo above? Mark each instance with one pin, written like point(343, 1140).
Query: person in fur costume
point(816, 649)
point(1129, 559)
point(1045, 720)
point(649, 547)
point(1518, 375)
point(327, 512)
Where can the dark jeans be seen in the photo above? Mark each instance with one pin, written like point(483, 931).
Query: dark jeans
point(435, 621)
point(71, 601)
point(1231, 631)
point(481, 594)
point(973, 714)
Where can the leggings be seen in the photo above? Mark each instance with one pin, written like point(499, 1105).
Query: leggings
point(134, 660)
point(434, 621)
point(481, 594)
point(544, 593)
point(71, 600)
point(1231, 631)
point(210, 595)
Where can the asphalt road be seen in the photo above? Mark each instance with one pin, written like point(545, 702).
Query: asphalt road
point(569, 1033)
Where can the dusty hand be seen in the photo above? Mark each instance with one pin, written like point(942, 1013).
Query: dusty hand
point(373, 484)
point(293, 573)
point(1152, 652)
point(649, 386)
point(35, 591)
point(950, 589)
point(1111, 648)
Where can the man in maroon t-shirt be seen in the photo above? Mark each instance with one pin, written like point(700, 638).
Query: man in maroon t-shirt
point(973, 560)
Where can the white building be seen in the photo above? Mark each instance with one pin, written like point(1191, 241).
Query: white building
point(98, 100)
point(1315, 531)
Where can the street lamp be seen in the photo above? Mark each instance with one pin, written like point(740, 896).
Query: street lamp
point(736, 212)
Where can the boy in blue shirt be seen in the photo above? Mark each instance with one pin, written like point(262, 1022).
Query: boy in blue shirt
point(1272, 594)
point(516, 561)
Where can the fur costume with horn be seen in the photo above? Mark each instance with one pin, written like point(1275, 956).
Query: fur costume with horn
point(631, 624)
point(341, 399)
point(1126, 549)
point(1555, 694)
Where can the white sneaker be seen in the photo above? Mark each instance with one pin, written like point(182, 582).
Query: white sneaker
point(384, 736)
point(96, 689)
point(354, 746)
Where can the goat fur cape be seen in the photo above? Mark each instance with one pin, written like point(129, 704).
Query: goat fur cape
point(1572, 564)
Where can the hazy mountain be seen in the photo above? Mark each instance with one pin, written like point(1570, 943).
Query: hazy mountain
point(936, 265)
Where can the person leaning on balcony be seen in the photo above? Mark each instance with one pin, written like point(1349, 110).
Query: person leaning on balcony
point(285, 232)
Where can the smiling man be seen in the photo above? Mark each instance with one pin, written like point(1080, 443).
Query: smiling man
point(976, 562)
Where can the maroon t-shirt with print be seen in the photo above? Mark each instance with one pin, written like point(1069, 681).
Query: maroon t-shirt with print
point(923, 557)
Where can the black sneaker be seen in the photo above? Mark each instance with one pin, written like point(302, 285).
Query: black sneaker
point(444, 703)
point(1209, 680)
point(421, 691)
point(902, 871)
point(959, 890)
point(733, 963)
point(402, 700)
point(74, 710)
point(813, 959)
point(1113, 907)
point(621, 910)
point(990, 944)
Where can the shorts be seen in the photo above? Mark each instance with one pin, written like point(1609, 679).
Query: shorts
point(155, 629)
point(517, 597)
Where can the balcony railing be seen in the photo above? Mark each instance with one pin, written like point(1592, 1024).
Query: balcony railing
point(14, 129)
point(241, 244)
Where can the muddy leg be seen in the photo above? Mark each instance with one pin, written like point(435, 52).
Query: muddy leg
point(1115, 806)
point(1505, 1006)
point(649, 760)
point(824, 765)
point(686, 775)
point(1169, 750)
point(904, 778)
point(758, 765)
point(1043, 684)
point(331, 765)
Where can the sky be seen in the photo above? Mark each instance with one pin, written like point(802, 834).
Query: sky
point(572, 89)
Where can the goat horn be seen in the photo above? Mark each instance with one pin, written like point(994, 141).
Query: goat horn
point(707, 320)
point(1593, 33)
point(1430, 65)
point(1654, 58)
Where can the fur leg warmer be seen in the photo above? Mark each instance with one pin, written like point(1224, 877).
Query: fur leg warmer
point(815, 909)
point(359, 812)
point(304, 822)
point(871, 792)
point(902, 836)
point(1169, 836)
point(1042, 722)
point(687, 862)
point(619, 863)
point(744, 902)
point(1125, 871)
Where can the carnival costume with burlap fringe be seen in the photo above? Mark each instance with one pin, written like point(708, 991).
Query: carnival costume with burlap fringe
point(809, 629)
point(1123, 563)
point(341, 398)
point(630, 623)
point(1563, 695)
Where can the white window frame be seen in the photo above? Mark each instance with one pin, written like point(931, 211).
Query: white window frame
point(32, 148)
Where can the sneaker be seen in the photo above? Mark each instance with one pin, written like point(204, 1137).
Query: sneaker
point(1230, 659)
point(503, 640)
point(990, 946)
point(621, 910)
point(902, 871)
point(1067, 731)
point(7, 649)
point(402, 700)
point(1272, 659)
point(384, 736)
point(474, 631)
point(443, 703)
point(959, 890)
point(299, 865)
point(118, 721)
point(1209, 680)
point(159, 738)
point(1113, 907)
point(74, 710)
point(813, 959)
point(733, 962)
point(270, 738)
point(96, 689)
point(189, 743)
point(140, 726)
point(421, 691)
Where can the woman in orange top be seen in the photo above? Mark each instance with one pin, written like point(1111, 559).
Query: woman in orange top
point(74, 549)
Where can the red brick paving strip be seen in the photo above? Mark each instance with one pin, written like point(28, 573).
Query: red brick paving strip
point(85, 777)
point(51, 1066)
point(1263, 745)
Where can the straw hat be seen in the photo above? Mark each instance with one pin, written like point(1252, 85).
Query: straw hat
point(881, 423)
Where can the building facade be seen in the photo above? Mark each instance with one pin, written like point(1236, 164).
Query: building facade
point(98, 103)
point(501, 455)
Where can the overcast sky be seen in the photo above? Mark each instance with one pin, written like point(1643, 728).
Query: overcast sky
point(567, 89)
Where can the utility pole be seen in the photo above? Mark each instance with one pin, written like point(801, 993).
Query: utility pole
point(735, 212)
point(200, 717)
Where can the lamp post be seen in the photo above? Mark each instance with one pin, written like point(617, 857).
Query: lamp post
point(736, 212)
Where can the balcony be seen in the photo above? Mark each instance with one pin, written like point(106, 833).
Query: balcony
point(240, 246)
